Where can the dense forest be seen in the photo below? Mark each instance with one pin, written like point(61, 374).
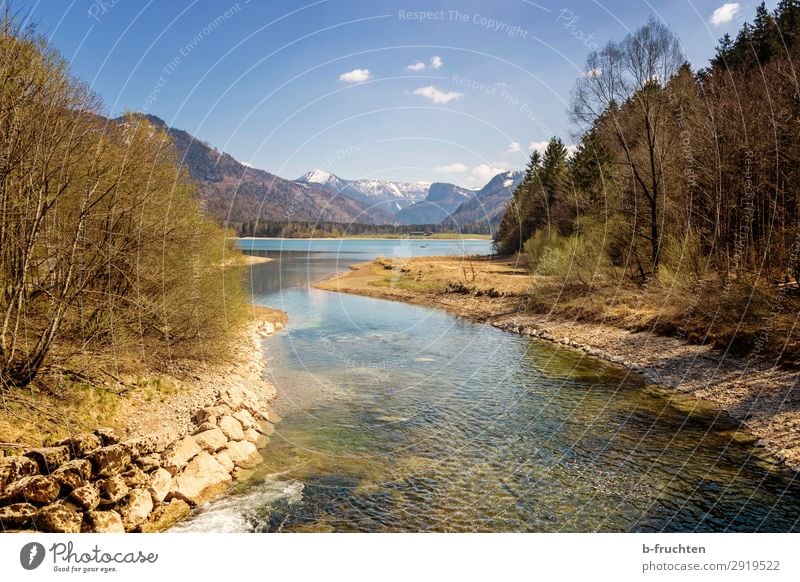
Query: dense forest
point(103, 248)
point(683, 188)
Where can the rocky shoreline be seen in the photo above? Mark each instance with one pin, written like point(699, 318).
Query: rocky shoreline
point(106, 482)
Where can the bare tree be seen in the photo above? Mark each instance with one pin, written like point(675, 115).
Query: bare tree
point(622, 93)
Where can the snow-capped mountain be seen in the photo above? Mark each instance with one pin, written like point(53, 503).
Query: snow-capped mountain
point(322, 178)
point(390, 196)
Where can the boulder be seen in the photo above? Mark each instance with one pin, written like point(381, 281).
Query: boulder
point(244, 454)
point(245, 418)
point(135, 508)
point(15, 468)
point(17, 515)
point(149, 462)
point(231, 427)
point(204, 427)
point(165, 516)
point(206, 415)
point(38, 489)
point(160, 482)
point(255, 437)
point(73, 474)
point(211, 440)
point(135, 478)
point(165, 438)
point(85, 497)
point(265, 428)
point(202, 480)
point(108, 436)
point(105, 522)
point(59, 518)
point(179, 454)
point(111, 460)
point(82, 445)
point(111, 490)
point(232, 396)
point(211, 414)
point(49, 458)
point(241, 474)
point(141, 446)
point(224, 459)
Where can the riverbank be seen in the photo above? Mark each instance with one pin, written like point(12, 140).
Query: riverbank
point(765, 399)
point(176, 441)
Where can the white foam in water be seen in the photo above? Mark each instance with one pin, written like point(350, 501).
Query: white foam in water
point(243, 513)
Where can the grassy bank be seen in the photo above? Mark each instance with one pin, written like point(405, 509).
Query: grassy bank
point(124, 392)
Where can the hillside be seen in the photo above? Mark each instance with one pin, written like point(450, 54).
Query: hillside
point(239, 196)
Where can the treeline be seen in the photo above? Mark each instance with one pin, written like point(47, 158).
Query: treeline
point(285, 229)
point(102, 247)
point(679, 209)
point(679, 175)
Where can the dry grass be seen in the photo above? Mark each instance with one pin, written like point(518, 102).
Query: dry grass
point(55, 407)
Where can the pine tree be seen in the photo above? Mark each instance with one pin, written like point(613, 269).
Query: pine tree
point(724, 52)
point(787, 19)
point(766, 39)
point(514, 229)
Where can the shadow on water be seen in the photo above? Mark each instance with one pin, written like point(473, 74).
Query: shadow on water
point(400, 418)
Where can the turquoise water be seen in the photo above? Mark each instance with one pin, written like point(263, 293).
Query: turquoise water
point(402, 418)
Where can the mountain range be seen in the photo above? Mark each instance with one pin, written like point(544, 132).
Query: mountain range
point(387, 195)
point(240, 196)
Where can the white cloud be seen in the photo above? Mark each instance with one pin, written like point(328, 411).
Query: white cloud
point(594, 72)
point(484, 172)
point(514, 148)
point(356, 76)
point(538, 146)
point(437, 62)
point(418, 66)
point(725, 13)
point(452, 168)
point(437, 95)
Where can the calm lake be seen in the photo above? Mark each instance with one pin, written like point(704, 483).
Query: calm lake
point(401, 418)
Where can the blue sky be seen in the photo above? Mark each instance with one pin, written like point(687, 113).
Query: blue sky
point(359, 88)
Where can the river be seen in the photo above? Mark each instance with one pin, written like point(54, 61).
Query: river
point(402, 418)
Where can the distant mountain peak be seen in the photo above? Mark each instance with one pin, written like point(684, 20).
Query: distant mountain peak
point(317, 176)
